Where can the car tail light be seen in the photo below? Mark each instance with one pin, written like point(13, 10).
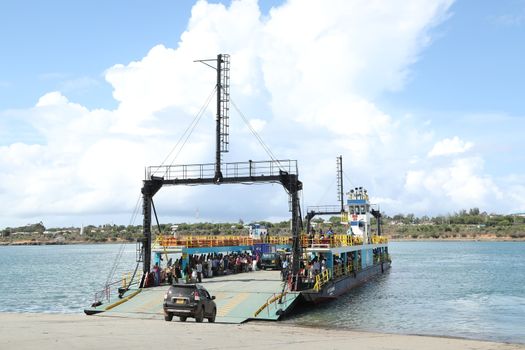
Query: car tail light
point(196, 296)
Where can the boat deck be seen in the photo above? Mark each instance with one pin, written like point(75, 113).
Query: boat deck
point(239, 298)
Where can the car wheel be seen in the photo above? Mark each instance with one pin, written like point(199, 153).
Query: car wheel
point(199, 316)
point(212, 318)
point(182, 318)
point(168, 317)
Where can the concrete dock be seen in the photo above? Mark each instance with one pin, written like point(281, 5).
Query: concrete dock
point(239, 298)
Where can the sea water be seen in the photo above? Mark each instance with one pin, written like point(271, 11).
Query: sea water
point(59, 278)
point(459, 289)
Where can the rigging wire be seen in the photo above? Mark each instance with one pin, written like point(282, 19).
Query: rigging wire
point(346, 177)
point(116, 262)
point(329, 188)
point(332, 185)
point(187, 132)
point(203, 109)
point(264, 146)
point(184, 138)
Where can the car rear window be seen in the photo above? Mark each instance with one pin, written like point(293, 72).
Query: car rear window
point(182, 291)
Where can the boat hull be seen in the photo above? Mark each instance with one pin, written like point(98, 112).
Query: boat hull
point(334, 289)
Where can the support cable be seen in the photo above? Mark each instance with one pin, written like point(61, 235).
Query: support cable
point(203, 109)
point(264, 146)
point(328, 189)
point(346, 177)
point(187, 133)
point(116, 262)
point(156, 217)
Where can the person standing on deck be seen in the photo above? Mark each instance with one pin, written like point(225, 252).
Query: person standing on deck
point(225, 262)
point(238, 264)
point(316, 267)
point(284, 270)
point(199, 271)
point(210, 267)
point(156, 276)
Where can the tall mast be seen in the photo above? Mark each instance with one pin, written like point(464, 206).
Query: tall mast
point(218, 174)
point(340, 182)
point(222, 132)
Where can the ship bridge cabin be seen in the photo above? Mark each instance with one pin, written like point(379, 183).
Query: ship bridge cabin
point(358, 208)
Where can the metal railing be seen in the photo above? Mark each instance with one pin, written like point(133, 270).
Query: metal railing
point(112, 289)
point(281, 297)
point(324, 209)
point(228, 241)
point(329, 274)
point(322, 279)
point(217, 241)
point(338, 241)
point(237, 169)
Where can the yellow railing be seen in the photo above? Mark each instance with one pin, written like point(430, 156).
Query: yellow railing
point(268, 302)
point(332, 241)
point(225, 241)
point(126, 278)
point(338, 241)
point(321, 279)
point(217, 241)
point(349, 267)
point(339, 271)
point(379, 239)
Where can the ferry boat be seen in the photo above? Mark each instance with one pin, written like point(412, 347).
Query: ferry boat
point(318, 267)
point(336, 263)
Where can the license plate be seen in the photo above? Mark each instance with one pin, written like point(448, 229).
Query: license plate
point(179, 301)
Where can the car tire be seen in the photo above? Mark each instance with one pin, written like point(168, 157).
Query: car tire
point(212, 318)
point(182, 318)
point(168, 317)
point(199, 316)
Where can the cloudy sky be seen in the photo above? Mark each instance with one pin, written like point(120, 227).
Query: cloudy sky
point(424, 101)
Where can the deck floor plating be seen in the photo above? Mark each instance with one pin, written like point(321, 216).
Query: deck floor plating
point(238, 297)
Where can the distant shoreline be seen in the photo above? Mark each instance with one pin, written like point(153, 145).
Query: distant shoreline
point(448, 239)
point(459, 239)
point(34, 243)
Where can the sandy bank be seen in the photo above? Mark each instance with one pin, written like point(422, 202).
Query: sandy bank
point(45, 331)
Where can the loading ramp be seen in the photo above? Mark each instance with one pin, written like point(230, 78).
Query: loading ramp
point(239, 298)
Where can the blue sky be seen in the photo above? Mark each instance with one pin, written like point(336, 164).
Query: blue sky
point(481, 47)
point(428, 101)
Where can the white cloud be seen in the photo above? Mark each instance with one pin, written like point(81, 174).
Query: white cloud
point(459, 184)
point(257, 124)
point(450, 146)
point(51, 99)
point(306, 76)
point(510, 20)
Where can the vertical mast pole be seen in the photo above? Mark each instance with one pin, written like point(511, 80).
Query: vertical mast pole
point(340, 176)
point(218, 174)
point(146, 238)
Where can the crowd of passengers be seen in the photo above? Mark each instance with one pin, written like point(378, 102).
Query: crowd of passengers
point(323, 237)
point(205, 266)
point(209, 265)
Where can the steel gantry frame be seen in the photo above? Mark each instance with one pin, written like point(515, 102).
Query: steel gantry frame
point(284, 172)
